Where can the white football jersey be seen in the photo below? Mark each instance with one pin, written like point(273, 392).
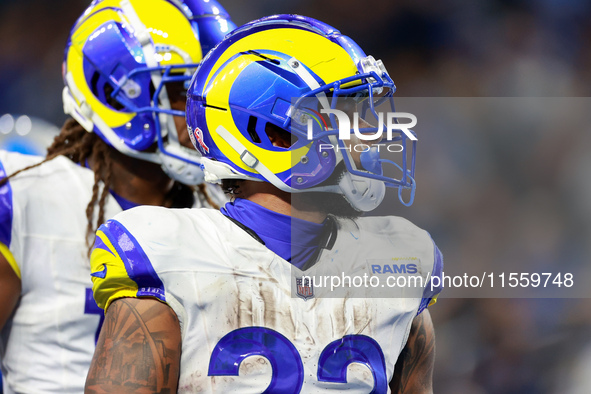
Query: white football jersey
point(248, 321)
point(47, 345)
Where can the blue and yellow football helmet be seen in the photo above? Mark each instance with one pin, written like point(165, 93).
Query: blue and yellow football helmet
point(126, 68)
point(291, 73)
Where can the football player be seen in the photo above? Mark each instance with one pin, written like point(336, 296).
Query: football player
point(126, 68)
point(216, 301)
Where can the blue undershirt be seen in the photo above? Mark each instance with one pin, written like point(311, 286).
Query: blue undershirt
point(123, 203)
point(292, 239)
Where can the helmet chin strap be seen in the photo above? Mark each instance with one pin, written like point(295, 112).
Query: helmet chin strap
point(362, 193)
point(216, 171)
point(179, 170)
point(251, 161)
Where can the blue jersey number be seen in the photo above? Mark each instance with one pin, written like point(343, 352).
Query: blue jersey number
point(336, 357)
point(288, 370)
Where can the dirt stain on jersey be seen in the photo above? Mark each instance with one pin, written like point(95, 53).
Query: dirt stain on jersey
point(362, 312)
point(263, 301)
point(277, 309)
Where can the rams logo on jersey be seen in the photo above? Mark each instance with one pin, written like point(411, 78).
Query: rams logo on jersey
point(394, 269)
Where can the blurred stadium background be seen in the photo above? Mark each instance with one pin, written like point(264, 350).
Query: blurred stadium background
point(495, 199)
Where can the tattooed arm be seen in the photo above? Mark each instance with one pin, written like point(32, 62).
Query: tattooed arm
point(413, 372)
point(10, 290)
point(138, 350)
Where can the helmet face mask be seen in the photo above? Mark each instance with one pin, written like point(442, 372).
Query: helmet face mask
point(362, 102)
point(347, 119)
point(299, 75)
point(127, 64)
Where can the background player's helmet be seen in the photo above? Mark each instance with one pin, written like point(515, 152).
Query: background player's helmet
point(126, 61)
point(283, 72)
point(211, 21)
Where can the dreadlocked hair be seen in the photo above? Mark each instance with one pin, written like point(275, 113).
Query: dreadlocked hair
point(78, 145)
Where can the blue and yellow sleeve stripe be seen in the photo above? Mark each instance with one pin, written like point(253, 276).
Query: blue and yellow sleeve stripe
point(6, 217)
point(120, 267)
point(430, 295)
point(5, 252)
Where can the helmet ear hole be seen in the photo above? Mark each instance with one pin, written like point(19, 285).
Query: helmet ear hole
point(112, 101)
point(279, 137)
point(107, 90)
point(94, 83)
